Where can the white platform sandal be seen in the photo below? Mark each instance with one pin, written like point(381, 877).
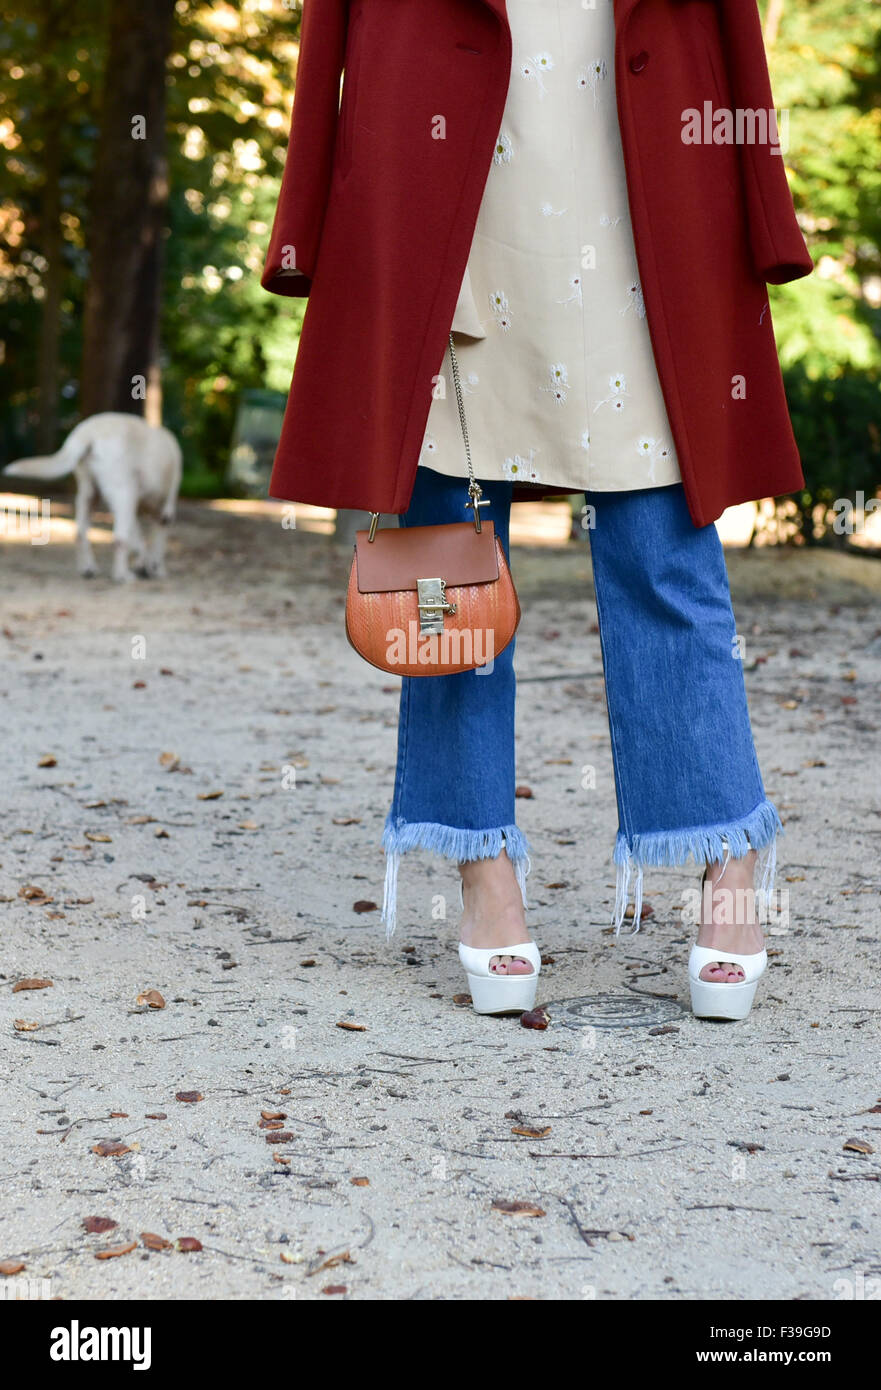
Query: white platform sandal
point(500, 994)
point(734, 1001)
point(731, 1001)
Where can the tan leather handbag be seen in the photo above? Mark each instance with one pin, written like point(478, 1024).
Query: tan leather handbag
point(432, 600)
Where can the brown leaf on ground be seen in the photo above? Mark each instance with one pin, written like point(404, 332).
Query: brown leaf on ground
point(460, 1000)
point(119, 1114)
point(111, 1148)
point(98, 1225)
point(208, 796)
point(189, 1097)
point(9, 1267)
point(140, 820)
point(270, 1124)
point(359, 1182)
point(188, 1245)
point(530, 1132)
point(535, 1018)
point(524, 792)
point(362, 905)
point(279, 1136)
point(517, 1208)
point(169, 761)
point(346, 820)
point(858, 1146)
point(98, 837)
point(47, 760)
point(154, 1242)
point(157, 1115)
point(280, 1158)
point(22, 1025)
point(342, 1258)
point(152, 998)
point(31, 984)
point(353, 1027)
point(33, 893)
point(335, 1288)
point(273, 1115)
point(115, 1250)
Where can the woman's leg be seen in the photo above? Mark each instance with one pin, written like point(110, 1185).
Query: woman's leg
point(686, 775)
point(454, 783)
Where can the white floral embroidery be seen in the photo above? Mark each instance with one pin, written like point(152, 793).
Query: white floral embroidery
point(498, 302)
point(607, 221)
point(617, 389)
point(504, 150)
point(521, 470)
point(429, 448)
point(655, 453)
point(471, 381)
point(559, 387)
point(634, 299)
point(590, 78)
point(533, 68)
point(585, 439)
point(547, 210)
point(576, 297)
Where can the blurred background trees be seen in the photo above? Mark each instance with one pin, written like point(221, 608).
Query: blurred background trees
point(168, 285)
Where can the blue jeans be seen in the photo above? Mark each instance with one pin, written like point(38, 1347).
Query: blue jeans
point(687, 780)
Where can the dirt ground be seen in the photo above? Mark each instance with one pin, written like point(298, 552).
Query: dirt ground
point(198, 770)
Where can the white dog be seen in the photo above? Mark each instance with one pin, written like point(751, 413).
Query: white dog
point(136, 467)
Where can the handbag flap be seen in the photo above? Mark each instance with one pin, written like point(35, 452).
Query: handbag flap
point(399, 555)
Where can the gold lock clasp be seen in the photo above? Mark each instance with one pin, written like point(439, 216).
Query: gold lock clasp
point(432, 599)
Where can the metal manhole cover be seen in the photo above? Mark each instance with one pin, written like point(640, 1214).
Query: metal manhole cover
point(606, 1011)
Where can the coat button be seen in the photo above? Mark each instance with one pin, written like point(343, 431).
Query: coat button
point(639, 61)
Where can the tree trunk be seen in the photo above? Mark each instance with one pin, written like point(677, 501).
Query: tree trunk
point(128, 204)
point(51, 248)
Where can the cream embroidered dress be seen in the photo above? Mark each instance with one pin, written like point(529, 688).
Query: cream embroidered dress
point(558, 376)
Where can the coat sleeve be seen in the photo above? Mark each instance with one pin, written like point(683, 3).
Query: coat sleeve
point(299, 214)
point(778, 247)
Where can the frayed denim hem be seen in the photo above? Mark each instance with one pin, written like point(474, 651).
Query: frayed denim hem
point(454, 844)
point(704, 844)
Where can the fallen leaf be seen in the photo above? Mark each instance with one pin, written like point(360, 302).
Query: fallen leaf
point(111, 1148)
point(307, 964)
point(359, 1182)
point(362, 905)
point(535, 1018)
point(152, 998)
point(190, 1097)
point(269, 1124)
point(280, 1158)
point(248, 825)
point(517, 1208)
point(161, 834)
point(208, 796)
point(21, 1025)
point(273, 1115)
point(30, 984)
point(98, 837)
point(858, 1146)
point(47, 760)
point(353, 1027)
point(157, 1115)
point(279, 1136)
point(531, 1133)
point(460, 1000)
point(189, 1245)
point(98, 1225)
point(119, 1114)
point(34, 893)
point(154, 1242)
point(341, 1258)
point(140, 820)
point(346, 820)
point(169, 761)
point(8, 1267)
point(116, 1250)
point(662, 1029)
point(335, 1288)
point(524, 792)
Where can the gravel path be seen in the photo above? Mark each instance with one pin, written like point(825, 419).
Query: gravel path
point(222, 768)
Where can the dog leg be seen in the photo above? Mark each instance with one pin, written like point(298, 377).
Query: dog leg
point(156, 552)
point(126, 535)
point(85, 492)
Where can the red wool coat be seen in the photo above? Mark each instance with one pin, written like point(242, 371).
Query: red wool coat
point(376, 217)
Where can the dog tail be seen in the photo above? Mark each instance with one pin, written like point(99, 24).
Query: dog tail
point(48, 466)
